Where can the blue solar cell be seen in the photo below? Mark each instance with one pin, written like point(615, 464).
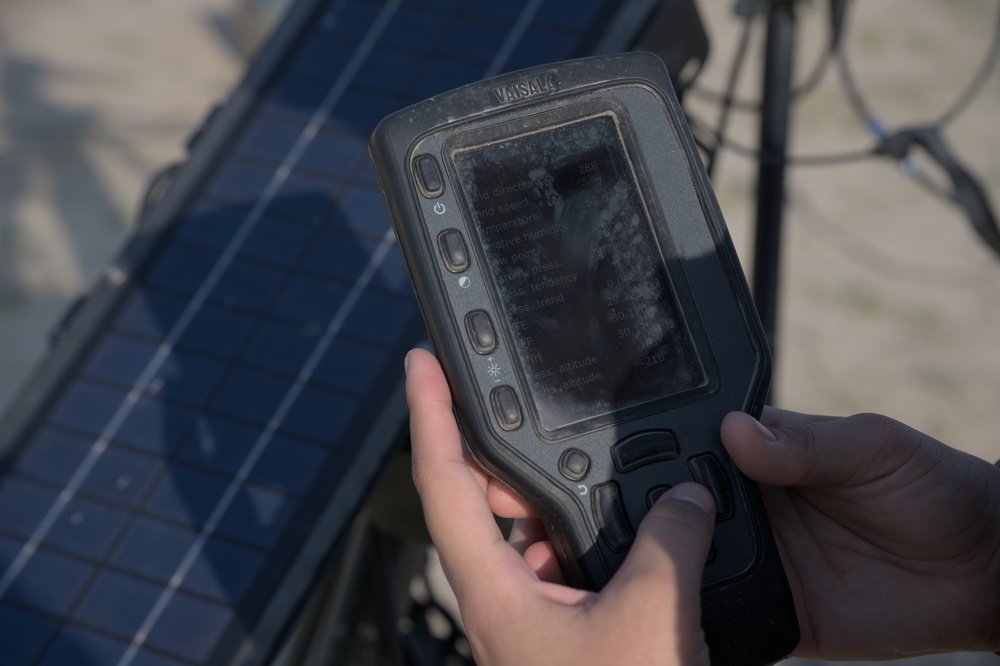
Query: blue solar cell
point(146, 658)
point(569, 14)
point(303, 196)
point(187, 377)
point(211, 225)
point(322, 59)
point(87, 406)
point(319, 414)
point(360, 110)
point(22, 635)
point(251, 395)
point(150, 313)
point(75, 646)
point(441, 75)
point(120, 359)
point(181, 269)
point(510, 10)
point(189, 627)
point(281, 347)
point(339, 254)
point(224, 571)
point(53, 456)
point(295, 99)
point(257, 516)
point(240, 182)
point(86, 528)
point(541, 46)
point(380, 317)
point(310, 301)
point(247, 285)
point(23, 505)
point(351, 366)
point(277, 241)
point(392, 276)
point(347, 19)
point(388, 71)
point(117, 604)
point(121, 476)
point(414, 29)
point(153, 548)
point(289, 465)
point(219, 444)
point(154, 425)
point(187, 496)
point(363, 210)
point(335, 153)
point(217, 330)
point(49, 582)
point(268, 140)
point(475, 40)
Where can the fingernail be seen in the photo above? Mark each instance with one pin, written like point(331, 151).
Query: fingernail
point(766, 432)
point(406, 361)
point(694, 493)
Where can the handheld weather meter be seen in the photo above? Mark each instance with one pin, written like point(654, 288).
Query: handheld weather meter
point(585, 301)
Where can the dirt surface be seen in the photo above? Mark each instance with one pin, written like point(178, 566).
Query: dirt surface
point(889, 302)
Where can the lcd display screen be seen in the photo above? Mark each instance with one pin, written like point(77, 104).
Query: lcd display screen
point(588, 303)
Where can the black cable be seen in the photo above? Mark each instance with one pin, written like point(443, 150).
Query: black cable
point(707, 139)
point(807, 86)
point(727, 104)
point(979, 81)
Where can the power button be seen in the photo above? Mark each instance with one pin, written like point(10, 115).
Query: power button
point(429, 175)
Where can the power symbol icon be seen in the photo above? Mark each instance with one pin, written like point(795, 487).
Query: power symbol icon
point(439, 208)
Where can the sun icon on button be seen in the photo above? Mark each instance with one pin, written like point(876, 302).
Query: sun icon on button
point(493, 370)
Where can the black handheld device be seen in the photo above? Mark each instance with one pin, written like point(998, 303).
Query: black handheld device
point(587, 306)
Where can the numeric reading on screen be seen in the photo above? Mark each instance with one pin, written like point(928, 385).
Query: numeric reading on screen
point(586, 297)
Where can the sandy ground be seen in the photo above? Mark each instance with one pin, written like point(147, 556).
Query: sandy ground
point(889, 302)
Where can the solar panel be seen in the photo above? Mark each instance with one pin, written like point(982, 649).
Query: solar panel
point(199, 440)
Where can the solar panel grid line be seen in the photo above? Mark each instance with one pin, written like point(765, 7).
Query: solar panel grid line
point(225, 259)
point(507, 48)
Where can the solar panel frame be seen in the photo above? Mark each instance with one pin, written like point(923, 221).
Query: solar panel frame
point(117, 362)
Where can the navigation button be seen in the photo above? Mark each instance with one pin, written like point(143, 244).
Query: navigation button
point(644, 448)
point(654, 494)
point(574, 464)
point(506, 408)
point(610, 515)
point(453, 250)
point(429, 175)
point(707, 471)
point(481, 333)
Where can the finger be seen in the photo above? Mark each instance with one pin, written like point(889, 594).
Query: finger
point(506, 503)
point(458, 516)
point(837, 451)
point(772, 417)
point(524, 532)
point(528, 537)
point(663, 570)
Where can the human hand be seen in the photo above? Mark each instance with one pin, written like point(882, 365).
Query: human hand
point(890, 539)
point(514, 606)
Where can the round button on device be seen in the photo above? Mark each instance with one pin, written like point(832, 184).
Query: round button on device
point(574, 464)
